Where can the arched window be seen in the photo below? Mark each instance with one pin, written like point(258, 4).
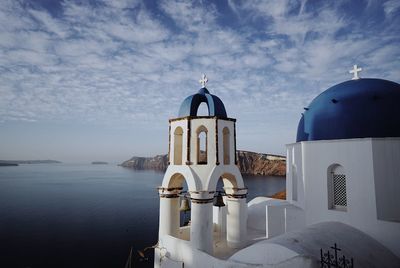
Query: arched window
point(202, 145)
point(337, 192)
point(202, 110)
point(226, 143)
point(178, 146)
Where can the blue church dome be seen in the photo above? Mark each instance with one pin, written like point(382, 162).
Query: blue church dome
point(362, 108)
point(191, 104)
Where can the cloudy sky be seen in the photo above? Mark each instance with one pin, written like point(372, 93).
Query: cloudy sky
point(98, 80)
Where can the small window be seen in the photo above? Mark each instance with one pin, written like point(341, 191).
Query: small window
point(337, 189)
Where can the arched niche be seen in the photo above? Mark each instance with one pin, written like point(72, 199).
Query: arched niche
point(178, 143)
point(226, 145)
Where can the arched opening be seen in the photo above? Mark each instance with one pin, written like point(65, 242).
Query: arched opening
point(337, 190)
point(226, 144)
point(229, 217)
point(202, 110)
point(229, 181)
point(202, 153)
point(184, 213)
point(178, 142)
point(182, 206)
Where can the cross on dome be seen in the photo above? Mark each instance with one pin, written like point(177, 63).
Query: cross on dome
point(355, 72)
point(203, 81)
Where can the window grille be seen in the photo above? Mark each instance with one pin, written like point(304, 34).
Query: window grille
point(339, 190)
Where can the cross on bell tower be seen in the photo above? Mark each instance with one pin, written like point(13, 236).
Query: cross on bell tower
point(355, 72)
point(204, 80)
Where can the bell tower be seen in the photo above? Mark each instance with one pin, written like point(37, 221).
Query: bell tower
point(202, 150)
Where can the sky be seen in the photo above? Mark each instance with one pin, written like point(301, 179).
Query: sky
point(82, 81)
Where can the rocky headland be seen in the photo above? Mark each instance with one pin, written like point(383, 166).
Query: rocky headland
point(249, 163)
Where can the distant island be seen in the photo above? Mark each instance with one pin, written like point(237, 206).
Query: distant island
point(249, 163)
point(16, 162)
point(8, 164)
point(99, 163)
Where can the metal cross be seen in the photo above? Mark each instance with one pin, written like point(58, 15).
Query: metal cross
point(355, 72)
point(203, 81)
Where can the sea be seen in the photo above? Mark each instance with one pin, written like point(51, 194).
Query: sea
point(82, 215)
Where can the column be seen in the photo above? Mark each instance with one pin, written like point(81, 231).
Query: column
point(219, 218)
point(236, 222)
point(201, 227)
point(169, 211)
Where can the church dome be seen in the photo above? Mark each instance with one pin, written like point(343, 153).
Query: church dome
point(362, 108)
point(191, 104)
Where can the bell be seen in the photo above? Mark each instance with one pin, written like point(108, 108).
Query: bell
point(185, 205)
point(218, 200)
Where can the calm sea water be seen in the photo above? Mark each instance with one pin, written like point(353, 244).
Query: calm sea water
point(62, 215)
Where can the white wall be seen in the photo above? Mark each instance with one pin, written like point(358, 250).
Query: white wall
point(356, 157)
point(274, 216)
point(192, 258)
point(386, 155)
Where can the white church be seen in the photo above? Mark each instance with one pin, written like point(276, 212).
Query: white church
point(342, 207)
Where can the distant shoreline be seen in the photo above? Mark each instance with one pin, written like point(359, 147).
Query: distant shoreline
point(8, 164)
point(18, 162)
point(249, 163)
point(99, 163)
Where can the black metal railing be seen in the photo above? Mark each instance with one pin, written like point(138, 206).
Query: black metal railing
point(329, 260)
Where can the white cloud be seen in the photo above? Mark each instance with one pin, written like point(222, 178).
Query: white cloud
point(119, 61)
point(391, 7)
point(48, 24)
point(190, 16)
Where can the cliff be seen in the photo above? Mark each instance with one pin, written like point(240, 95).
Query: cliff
point(158, 162)
point(280, 195)
point(261, 164)
point(249, 163)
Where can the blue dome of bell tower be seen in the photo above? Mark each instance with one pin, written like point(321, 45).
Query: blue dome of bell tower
point(361, 108)
point(190, 105)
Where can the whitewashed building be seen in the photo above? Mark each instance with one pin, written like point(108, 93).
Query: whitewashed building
point(343, 186)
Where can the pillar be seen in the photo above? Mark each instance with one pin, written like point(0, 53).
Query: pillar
point(169, 211)
point(201, 227)
point(236, 221)
point(219, 219)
